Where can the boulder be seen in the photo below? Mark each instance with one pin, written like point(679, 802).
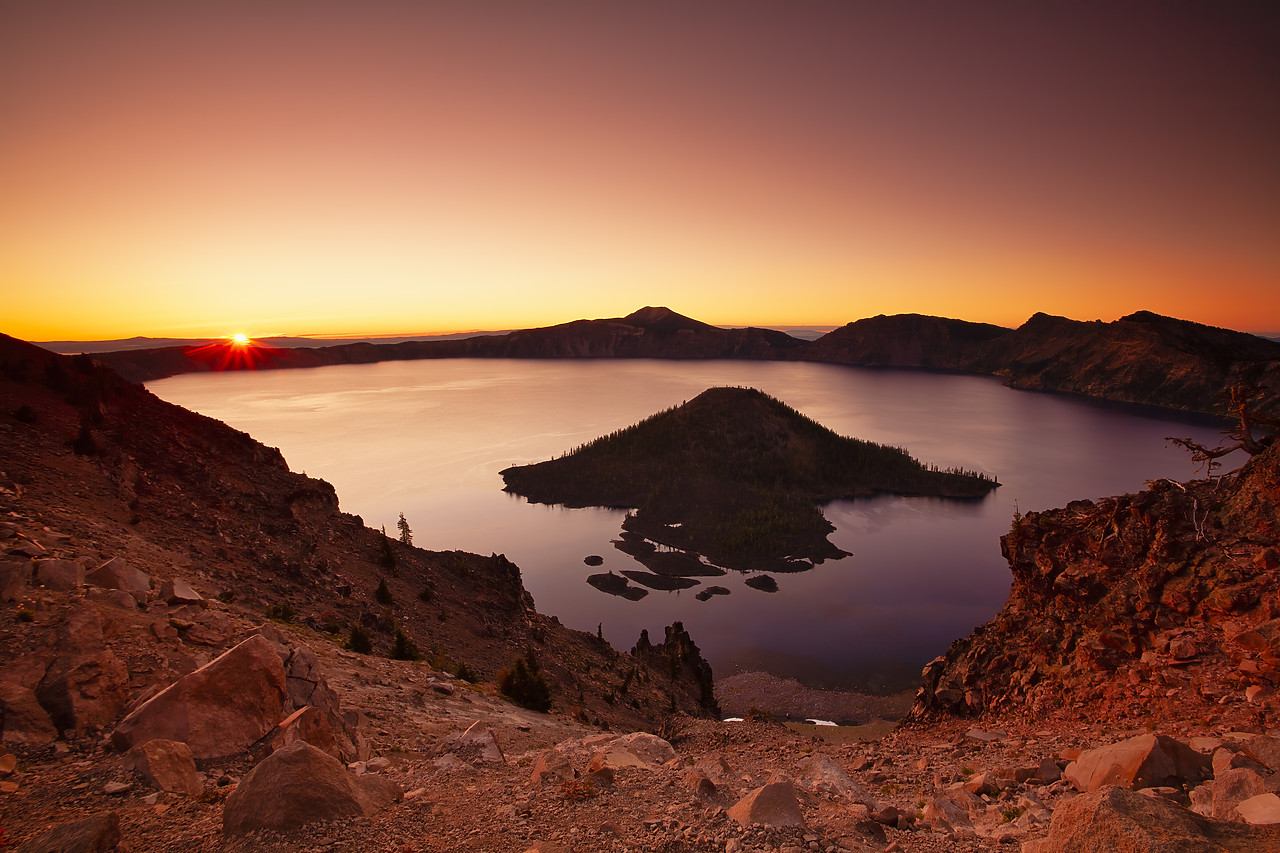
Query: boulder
point(951, 811)
point(1262, 810)
point(552, 765)
point(638, 749)
point(1264, 749)
point(22, 721)
point(220, 709)
point(59, 574)
point(179, 592)
point(1145, 761)
point(97, 834)
point(116, 573)
point(307, 688)
point(1219, 797)
point(714, 767)
point(819, 773)
point(300, 785)
point(168, 765)
point(477, 745)
point(15, 578)
point(774, 804)
point(1117, 820)
point(88, 694)
point(309, 726)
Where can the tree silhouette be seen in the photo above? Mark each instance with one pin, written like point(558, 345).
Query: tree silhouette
point(1248, 403)
point(406, 535)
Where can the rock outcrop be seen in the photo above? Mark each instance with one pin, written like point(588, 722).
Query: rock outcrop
point(1130, 605)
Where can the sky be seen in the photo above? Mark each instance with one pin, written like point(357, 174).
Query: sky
point(387, 166)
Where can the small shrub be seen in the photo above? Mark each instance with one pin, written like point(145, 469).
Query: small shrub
point(26, 615)
point(227, 596)
point(281, 612)
point(464, 672)
point(428, 592)
point(360, 641)
point(383, 594)
point(388, 556)
point(402, 648)
point(758, 715)
point(525, 684)
point(84, 445)
point(25, 414)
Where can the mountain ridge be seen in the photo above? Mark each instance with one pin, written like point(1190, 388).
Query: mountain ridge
point(1142, 358)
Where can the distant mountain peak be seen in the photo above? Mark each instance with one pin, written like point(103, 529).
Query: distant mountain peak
point(661, 316)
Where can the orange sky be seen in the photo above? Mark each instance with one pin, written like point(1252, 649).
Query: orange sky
point(186, 169)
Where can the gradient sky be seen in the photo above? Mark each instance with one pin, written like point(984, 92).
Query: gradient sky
point(202, 168)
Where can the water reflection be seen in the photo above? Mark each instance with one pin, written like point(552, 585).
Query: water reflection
point(427, 438)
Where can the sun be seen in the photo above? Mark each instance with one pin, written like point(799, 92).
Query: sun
point(240, 338)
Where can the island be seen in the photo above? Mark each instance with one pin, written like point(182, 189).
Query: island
point(731, 479)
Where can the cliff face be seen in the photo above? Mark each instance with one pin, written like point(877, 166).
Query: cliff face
point(1161, 603)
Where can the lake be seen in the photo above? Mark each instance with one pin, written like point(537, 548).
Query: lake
point(428, 438)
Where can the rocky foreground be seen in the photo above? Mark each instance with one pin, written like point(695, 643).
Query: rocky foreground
point(171, 677)
point(287, 742)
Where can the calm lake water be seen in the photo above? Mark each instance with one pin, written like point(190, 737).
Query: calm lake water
point(427, 438)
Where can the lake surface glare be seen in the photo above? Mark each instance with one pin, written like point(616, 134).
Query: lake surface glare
point(428, 438)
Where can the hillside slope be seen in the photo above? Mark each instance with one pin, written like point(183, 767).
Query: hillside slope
point(184, 496)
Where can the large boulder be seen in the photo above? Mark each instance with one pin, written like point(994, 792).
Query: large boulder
point(87, 695)
point(638, 749)
point(820, 773)
point(1117, 820)
point(307, 688)
point(1219, 797)
point(15, 577)
point(116, 573)
point(59, 574)
point(476, 745)
point(1145, 761)
point(774, 804)
point(1262, 810)
point(168, 765)
point(220, 709)
point(300, 785)
point(22, 721)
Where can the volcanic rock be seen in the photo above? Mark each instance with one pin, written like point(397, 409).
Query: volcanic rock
point(1117, 820)
point(168, 765)
point(219, 709)
point(300, 785)
point(1145, 761)
point(774, 804)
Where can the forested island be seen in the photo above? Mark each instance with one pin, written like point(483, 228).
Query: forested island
point(734, 476)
